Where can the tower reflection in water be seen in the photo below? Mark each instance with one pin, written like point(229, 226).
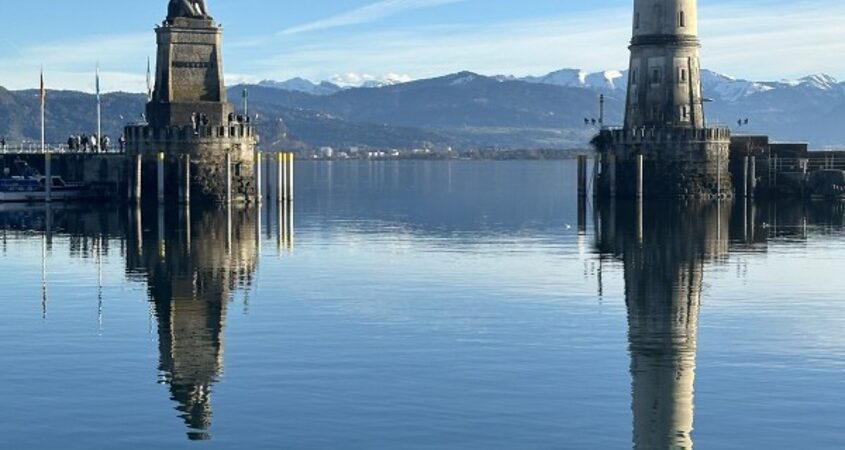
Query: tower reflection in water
point(664, 249)
point(192, 262)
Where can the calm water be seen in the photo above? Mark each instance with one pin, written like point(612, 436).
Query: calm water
point(425, 305)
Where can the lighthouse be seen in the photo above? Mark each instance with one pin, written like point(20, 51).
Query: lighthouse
point(665, 147)
point(664, 89)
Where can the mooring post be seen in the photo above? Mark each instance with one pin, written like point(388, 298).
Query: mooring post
point(160, 174)
point(185, 188)
point(745, 177)
point(596, 167)
point(291, 161)
point(640, 159)
point(612, 175)
point(268, 179)
point(280, 178)
point(136, 194)
point(752, 172)
point(228, 178)
point(582, 176)
point(259, 195)
point(48, 177)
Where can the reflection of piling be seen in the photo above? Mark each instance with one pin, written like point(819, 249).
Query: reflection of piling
point(160, 173)
point(162, 249)
point(582, 215)
point(48, 177)
point(185, 186)
point(582, 176)
point(640, 176)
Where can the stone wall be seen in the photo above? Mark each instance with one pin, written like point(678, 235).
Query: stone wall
point(679, 162)
point(207, 150)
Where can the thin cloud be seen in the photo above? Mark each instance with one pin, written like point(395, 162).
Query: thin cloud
point(367, 14)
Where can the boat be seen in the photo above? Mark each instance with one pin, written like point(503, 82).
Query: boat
point(32, 189)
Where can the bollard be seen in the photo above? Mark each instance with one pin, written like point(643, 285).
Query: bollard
point(640, 176)
point(258, 187)
point(48, 177)
point(582, 176)
point(160, 174)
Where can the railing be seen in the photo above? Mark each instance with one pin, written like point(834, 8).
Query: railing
point(35, 148)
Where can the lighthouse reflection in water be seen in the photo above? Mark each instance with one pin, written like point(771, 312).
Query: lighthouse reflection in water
point(192, 261)
point(664, 249)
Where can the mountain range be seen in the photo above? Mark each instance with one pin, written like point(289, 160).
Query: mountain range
point(462, 110)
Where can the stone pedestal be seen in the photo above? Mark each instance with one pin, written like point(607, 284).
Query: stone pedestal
point(189, 116)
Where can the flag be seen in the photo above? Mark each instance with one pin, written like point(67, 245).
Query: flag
point(149, 82)
point(97, 82)
point(42, 92)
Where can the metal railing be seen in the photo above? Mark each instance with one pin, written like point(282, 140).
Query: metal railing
point(32, 148)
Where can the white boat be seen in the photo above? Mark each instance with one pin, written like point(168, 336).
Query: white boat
point(33, 189)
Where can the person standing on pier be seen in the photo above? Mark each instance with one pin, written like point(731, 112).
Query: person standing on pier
point(3, 143)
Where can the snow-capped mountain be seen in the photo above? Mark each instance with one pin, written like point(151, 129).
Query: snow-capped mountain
point(303, 85)
point(336, 83)
point(606, 80)
point(363, 80)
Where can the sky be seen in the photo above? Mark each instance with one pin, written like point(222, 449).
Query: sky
point(349, 40)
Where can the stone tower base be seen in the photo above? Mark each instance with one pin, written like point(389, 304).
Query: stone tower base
point(206, 149)
point(677, 162)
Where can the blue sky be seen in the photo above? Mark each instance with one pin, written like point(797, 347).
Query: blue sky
point(345, 39)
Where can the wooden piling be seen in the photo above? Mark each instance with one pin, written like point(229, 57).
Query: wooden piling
point(259, 196)
point(185, 186)
point(291, 161)
point(612, 175)
point(280, 174)
point(160, 174)
point(745, 168)
point(582, 176)
point(136, 188)
point(752, 179)
point(228, 178)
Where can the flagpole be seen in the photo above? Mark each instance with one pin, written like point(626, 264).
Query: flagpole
point(99, 113)
point(43, 93)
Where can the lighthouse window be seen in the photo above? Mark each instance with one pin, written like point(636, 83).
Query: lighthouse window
point(685, 113)
point(682, 76)
point(633, 77)
point(655, 76)
point(682, 22)
point(637, 21)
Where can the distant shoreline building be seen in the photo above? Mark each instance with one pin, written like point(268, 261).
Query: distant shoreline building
point(189, 120)
point(665, 147)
